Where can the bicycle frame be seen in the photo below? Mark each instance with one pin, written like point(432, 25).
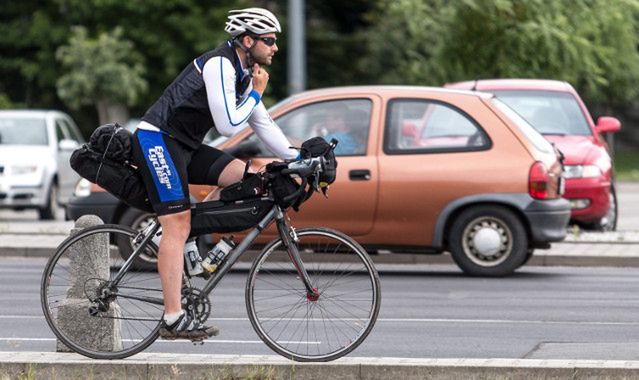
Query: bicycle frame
point(287, 234)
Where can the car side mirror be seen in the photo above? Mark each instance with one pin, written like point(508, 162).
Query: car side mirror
point(67, 144)
point(608, 124)
point(244, 150)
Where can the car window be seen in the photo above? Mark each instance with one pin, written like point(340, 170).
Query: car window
point(73, 132)
point(549, 112)
point(23, 131)
point(421, 126)
point(60, 130)
point(346, 120)
point(531, 133)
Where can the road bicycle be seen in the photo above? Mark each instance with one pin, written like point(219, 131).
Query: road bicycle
point(312, 294)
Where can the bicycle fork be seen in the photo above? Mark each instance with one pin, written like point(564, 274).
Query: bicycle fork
point(290, 239)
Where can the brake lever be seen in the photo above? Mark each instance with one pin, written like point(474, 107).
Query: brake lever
point(316, 186)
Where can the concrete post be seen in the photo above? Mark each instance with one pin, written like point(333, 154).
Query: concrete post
point(89, 264)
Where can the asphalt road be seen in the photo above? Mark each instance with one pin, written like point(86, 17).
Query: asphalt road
point(539, 313)
point(628, 199)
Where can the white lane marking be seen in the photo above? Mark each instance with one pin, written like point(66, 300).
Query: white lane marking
point(411, 320)
point(212, 340)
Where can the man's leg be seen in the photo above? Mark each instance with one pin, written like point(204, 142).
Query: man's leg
point(175, 231)
point(230, 174)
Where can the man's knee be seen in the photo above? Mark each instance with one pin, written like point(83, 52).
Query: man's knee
point(176, 224)
point(232, 173)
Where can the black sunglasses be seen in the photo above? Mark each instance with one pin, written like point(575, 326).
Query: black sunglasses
point(268, 41)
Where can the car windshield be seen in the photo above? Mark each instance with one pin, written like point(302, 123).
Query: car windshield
point(537, 139)
point(549, 112)
point(23, 131)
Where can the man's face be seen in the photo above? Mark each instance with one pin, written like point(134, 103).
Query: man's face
point(261, 52)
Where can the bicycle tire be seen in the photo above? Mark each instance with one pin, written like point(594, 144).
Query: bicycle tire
point(70, 289)
point(298, 327)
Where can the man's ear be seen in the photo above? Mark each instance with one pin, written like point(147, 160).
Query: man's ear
point(247, 41)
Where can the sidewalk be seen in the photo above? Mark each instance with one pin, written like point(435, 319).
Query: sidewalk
point(619, 249)
point(14, 365)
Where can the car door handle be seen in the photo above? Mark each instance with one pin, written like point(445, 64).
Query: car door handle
point(359, 175)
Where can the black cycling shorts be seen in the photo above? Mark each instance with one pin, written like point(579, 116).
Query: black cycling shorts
point(168, 166)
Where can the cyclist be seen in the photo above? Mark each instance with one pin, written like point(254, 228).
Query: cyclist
point(220, 88)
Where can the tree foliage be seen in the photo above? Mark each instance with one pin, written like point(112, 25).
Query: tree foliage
point(104, 68)
point(589, 43)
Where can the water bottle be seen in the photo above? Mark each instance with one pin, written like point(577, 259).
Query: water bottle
point(192, 258)
point(217, 254)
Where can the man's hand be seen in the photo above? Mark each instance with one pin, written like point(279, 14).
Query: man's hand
point(260, 79)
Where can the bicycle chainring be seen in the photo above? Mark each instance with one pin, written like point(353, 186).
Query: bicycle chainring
point(193, 302)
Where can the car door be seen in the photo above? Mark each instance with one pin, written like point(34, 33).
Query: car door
point(433, 154)
point(352, 198)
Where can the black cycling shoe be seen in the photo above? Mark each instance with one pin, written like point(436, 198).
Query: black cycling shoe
point(186, 328)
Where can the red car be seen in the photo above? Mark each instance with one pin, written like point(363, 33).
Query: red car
point(555, 109)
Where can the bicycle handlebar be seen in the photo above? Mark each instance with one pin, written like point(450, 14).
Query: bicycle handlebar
point(305, 167)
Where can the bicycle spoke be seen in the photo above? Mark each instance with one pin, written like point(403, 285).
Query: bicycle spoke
point(125, 321)
point(300, 325)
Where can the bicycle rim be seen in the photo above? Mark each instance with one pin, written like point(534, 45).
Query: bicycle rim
point(90, 317)
point(302, 328)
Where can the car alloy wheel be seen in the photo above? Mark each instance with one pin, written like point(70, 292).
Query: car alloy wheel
point(488, 241)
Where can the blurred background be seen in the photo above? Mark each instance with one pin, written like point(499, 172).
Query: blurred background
point(105, 60)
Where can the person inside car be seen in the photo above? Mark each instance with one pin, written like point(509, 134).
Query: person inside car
point(346, 126)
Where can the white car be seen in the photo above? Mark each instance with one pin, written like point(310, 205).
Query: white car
point(35, 147)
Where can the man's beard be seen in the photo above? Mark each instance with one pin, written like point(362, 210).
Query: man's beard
point(261, 60)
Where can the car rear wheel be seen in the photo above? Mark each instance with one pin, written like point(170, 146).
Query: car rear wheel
point(138, 220)
point(488, 241)
point(53, 209)
point(609, 221)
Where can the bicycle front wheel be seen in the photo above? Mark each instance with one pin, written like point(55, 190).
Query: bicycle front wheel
point(314, 328)
point(89, 312)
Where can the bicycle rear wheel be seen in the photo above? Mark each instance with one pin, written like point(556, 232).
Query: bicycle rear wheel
point(86, 311)
point(306, 328)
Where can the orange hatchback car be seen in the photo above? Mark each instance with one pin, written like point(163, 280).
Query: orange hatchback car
point(426, 170)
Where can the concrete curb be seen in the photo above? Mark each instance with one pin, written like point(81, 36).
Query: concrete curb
point(192, 367)
point(601, 254)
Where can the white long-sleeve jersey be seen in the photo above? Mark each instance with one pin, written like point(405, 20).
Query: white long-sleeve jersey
point(215, 91)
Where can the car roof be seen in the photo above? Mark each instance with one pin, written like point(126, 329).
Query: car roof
point(512, 84)
point(30, 113)
point(387, 90)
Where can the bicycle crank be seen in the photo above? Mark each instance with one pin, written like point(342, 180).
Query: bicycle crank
point(192, 302)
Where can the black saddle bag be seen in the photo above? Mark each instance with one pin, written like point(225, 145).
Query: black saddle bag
point(106, 161)
point(222, 217)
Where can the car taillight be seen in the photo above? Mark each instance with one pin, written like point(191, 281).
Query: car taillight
point(539, 181)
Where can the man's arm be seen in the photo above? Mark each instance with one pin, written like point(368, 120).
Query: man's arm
point(270, 133)
point(219, 78)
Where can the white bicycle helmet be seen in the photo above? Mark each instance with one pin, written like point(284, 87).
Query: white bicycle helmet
point(251, 20)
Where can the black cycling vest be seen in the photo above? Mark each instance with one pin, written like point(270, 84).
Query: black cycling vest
point(183, 109)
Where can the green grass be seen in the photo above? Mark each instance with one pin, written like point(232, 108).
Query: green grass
point(627, 165)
